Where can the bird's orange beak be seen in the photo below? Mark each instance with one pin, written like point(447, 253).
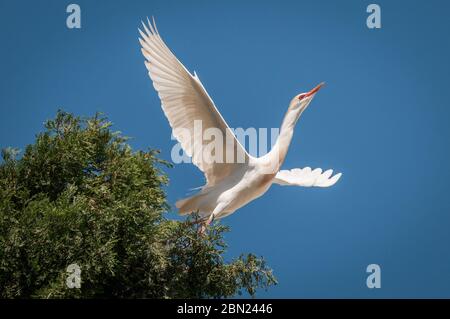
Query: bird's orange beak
point(315, 90)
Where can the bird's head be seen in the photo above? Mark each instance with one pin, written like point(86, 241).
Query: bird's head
point(302, 100)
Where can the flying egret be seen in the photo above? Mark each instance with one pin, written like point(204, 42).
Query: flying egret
point(229, 184)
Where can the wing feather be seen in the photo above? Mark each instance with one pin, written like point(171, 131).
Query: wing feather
point(307, 177)
point(184, 100)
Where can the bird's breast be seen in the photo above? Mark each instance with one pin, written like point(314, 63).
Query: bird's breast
point(251, 186)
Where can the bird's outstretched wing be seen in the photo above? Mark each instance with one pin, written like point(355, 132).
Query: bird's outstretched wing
point(306, 177)
point(185, 103)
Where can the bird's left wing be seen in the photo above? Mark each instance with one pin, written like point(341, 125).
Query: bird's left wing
point(190, 110)
point(307, 177)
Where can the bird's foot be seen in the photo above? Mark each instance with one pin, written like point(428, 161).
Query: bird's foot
point(204, 225)
point(202, 229)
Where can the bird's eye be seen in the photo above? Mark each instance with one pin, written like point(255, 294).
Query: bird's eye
point(301, 96)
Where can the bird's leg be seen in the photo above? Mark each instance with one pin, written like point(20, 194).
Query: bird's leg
point(211, 217)
point(205, 223)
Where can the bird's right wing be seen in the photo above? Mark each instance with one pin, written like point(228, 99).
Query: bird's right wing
point(190, 110)
point(306, 177)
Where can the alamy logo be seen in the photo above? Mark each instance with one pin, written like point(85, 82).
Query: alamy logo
point(218, 147)
point(374, 19)
point(374, 279)
point(73, 280)
point(73, 20)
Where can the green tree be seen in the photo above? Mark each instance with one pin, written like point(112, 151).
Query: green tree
point(80, 195)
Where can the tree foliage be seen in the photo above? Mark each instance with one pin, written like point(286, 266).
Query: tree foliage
point(80, 195)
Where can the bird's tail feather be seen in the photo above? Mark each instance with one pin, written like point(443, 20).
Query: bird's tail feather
point(188, 205)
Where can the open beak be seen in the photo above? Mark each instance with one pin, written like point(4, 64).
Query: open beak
point(315, 90)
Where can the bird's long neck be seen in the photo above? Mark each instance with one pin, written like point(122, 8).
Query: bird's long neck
point(279, 151)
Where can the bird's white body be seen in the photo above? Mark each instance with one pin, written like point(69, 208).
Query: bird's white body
point(229, 184)
point(241, 187)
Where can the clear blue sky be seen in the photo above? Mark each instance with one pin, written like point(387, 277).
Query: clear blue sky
point(382, 120)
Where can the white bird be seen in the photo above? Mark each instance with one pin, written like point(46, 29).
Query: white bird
point(229, 184)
